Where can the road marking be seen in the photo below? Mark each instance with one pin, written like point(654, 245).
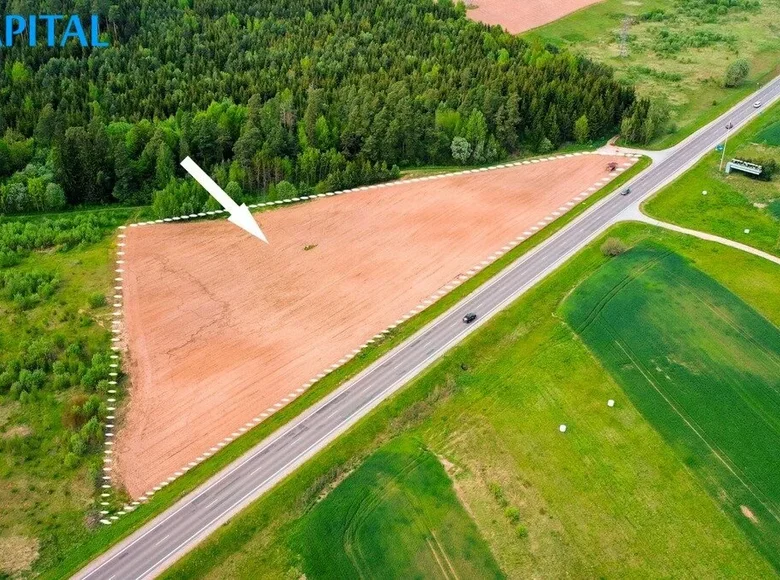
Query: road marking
point(161, 540)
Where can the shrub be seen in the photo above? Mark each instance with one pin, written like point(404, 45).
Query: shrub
point(77, 444)
point(736, 72)
point(71, 460)
point(285, 190)
point(546, 146)
point(512, 514)
point(27, 289)
point(72, 416)
point(613, 247)
point(497, 493)
point(96, 300)
point(521, 531)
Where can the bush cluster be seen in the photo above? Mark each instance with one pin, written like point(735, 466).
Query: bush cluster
point(27, 289)
point(613, 247)
point(49, 365)
point(18, 237)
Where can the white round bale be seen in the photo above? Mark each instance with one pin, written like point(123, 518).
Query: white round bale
point(562, 428)
point(611, 403)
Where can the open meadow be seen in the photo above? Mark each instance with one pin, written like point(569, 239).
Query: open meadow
point(677, 52)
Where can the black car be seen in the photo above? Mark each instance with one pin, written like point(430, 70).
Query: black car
point(470, 317)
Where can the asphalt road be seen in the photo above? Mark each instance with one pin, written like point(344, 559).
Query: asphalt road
point(166, 538)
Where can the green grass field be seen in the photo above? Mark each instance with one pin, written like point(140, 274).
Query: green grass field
point(702, 367)
point(733, 202)
point(610, 498)
point(396, 516)
point(677, 54)
point(770, 136)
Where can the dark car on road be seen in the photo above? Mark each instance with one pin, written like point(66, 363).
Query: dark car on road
point(469, 318)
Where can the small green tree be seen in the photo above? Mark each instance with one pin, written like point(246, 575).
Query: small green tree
point(736, 72)
point(285, 190)
point(461, 150)
point(581, 130)
point(545, 146)
point(235, 192)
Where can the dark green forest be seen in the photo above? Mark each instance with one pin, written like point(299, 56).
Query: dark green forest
point(277, 99)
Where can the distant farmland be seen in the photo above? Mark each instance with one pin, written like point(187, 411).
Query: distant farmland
point(702, 367)
point(397, 516)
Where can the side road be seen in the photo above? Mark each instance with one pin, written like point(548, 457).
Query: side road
point(634, 213)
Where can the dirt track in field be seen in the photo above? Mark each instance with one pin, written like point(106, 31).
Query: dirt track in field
point(220, 326)
point(520, 15)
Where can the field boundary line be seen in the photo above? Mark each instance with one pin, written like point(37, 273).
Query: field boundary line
point(109, 483)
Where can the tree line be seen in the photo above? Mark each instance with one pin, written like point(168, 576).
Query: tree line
point(275, 99)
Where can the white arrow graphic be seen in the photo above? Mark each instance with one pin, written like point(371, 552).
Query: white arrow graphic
point(239, 214)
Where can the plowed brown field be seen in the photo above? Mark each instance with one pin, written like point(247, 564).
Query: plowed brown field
point(220, 326)
point(521, 15)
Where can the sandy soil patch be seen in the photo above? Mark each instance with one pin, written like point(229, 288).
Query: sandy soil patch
point(220, 327)
point(17, 554)
point(17, 431)
point(521, 15)
point(748, 513)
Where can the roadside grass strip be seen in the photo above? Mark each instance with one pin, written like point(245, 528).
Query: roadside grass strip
point(702, 367)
